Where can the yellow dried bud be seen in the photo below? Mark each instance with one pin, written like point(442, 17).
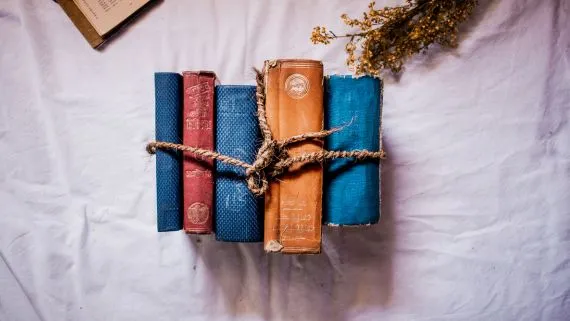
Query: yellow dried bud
point(389, 36)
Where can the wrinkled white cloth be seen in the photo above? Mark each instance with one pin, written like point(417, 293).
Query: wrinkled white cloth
point(476, 190)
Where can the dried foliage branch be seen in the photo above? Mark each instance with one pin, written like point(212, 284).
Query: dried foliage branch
point(388, 37)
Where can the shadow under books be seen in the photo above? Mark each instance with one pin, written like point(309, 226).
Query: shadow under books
point(353, 272)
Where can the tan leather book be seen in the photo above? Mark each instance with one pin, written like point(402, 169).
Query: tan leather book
point(294, 105)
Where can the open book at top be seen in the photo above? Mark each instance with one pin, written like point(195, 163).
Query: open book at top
point(104, 15)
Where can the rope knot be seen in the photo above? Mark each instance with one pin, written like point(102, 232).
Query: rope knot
point(269, 156)
point(256, 175)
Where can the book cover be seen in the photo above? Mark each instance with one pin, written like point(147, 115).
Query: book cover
point(239, 214)
point(168, 103)
point(99, 20)
point(351, 192)
point(294, 105)
point(198, 131)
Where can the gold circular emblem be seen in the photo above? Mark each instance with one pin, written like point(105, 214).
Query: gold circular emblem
point(198, 213)
point(297, 86)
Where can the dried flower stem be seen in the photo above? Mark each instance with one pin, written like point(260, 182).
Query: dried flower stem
point(389, 36)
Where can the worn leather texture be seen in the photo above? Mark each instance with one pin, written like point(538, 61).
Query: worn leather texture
point(294, 105)
point(198, 131)
point(239, 214)
point(351, 192)
point(168, 103)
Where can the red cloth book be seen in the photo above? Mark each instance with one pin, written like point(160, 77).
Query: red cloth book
point(198, 131)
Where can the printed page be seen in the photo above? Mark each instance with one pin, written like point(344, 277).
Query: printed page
point(104, 15)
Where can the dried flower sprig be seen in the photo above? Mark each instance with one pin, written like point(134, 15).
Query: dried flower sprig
point(388, 37)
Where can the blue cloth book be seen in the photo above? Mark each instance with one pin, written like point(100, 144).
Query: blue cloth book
point(352, 189)
point(239, 214)
point(168, 103)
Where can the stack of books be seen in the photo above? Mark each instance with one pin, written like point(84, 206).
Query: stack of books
point(202, 196)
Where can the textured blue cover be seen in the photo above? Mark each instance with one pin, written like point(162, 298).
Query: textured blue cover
point(168, 102)
point(239, 214)
point(351, 190)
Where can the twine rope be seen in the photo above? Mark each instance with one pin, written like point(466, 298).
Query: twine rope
point(272, 158)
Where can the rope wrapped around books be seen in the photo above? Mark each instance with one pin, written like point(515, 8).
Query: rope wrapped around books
point(272, 157)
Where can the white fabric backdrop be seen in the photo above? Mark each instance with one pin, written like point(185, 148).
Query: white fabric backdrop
point(476, 211)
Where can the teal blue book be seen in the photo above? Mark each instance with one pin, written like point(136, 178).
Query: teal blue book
point(351, 190)
point(239, 214)
point(168, 117)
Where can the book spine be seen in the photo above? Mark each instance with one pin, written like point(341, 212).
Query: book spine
point(198, 131)
point(351, 194)
point(81, 23)
point(168, 103)
point(239, 214)
point(294, 105)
